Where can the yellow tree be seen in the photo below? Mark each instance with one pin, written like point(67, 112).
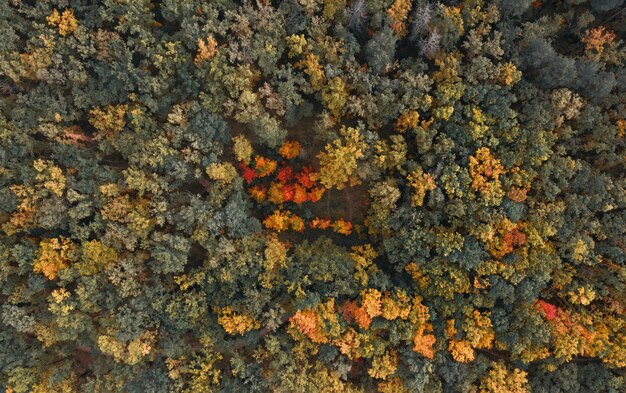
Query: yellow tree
point(339, 160)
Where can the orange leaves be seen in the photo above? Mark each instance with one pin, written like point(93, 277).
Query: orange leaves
point(288, 192)
point(399, 12)
point(264, 166)
point(320, 223)
point(258, 193)
point(371, 307)
point(315, 194)
point(407, 121)
point(353, 313)
point(340, 226)
point(508, 238)
point(595, 39)
point(305, 321)
point(461, 351)
point(517, 194)
point(483, 168)
point(343, 227)
point(207, 49)
point(285, 174)
point(519, 181)
point(299, 194)
point(423, 343)
point(289, 150)
point(282, 220)
point(279, 193)
point(319, 324)
point(307, 177)
point(288, 186)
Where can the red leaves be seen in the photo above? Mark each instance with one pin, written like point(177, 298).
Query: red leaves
point(247, 173)
point(548, 309)
point(316, 194)
point(307, 177)
point(285, 174)
point(288, 186)
point(264, 166)
point(299, 194)
point(288, 192)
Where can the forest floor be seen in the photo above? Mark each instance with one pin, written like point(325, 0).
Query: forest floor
point(350, 203)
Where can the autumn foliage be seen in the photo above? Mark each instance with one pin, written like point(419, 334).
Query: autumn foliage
point(312, 196)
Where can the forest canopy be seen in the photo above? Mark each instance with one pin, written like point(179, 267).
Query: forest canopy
point(313, 196)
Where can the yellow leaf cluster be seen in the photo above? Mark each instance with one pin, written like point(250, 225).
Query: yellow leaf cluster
point(372, 302)
point(383, 366)
point(66, 22)
point(338, 161)
point(223, 172)
point(136, 350)
point(207, 49)
point(407, 121)
point(234, 323)
point(500, 380)
point(96, 256)
point(399, 12)
point(283, 220)
point(108, 120)
point(461, 350)
point(53, 256)
point(335, 95)
point(348, 343)
point(275, 257)
point(363, 257)
point(314, 70)
point(485, 171)
point(60, 294)
point(509, 74)
point(393, 385)
point(420, 182)
point(479, 330)
point(297, 44)
point(242, 149)
point(400, 307)
point(51, 176)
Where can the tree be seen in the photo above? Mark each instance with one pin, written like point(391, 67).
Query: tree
point(339, 160)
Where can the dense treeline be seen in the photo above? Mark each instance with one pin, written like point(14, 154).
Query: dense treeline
point(312, 196)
